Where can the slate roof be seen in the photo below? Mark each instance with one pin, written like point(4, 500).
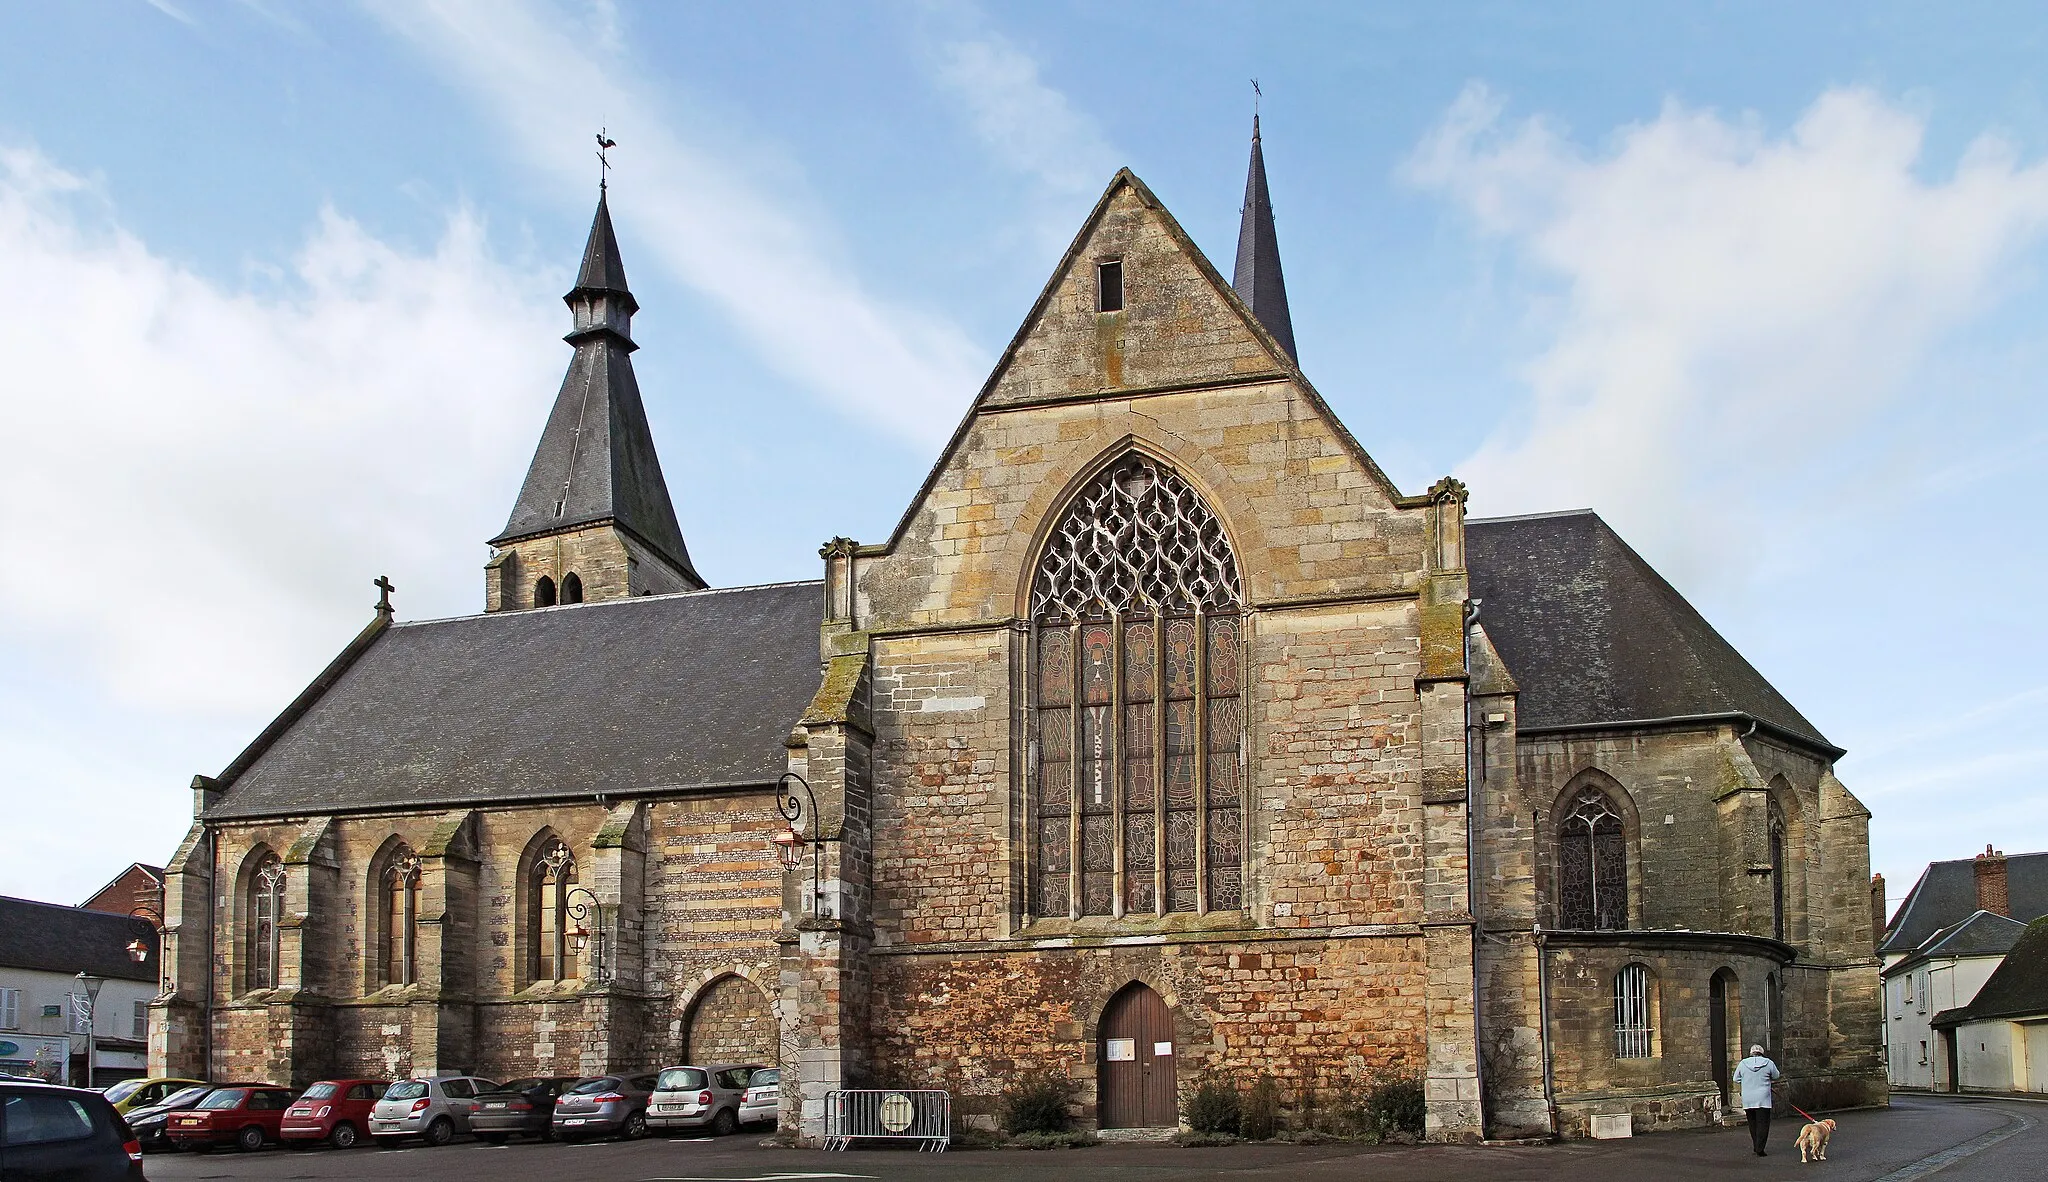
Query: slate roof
point(696, 689)
point(596, 460)
point(1257, 278)
point(1947, 892)
point(1982, 934)
point(57, 939)
point(2018, 987)
point(1594, 636)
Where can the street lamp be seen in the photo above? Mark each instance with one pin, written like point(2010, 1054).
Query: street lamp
point(91, 985)
point(580, 935)
point(791, 843)
point(138, 949)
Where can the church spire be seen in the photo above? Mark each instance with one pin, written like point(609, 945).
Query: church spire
point(594, 503)
point(1257, 276)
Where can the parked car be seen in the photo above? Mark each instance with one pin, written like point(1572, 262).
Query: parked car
point(150, 1125)
point(69, 1133)
point(336, 1111)
point(242, 1115)
point(700, 1097)
point(522, 1106)
point(763, 1102)
point(434, 1109)
point(604, 1105)
point(131, 1094)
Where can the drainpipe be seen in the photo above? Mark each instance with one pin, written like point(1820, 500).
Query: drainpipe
point(212, 926)
point(1543, 1018)
point(1475, 767)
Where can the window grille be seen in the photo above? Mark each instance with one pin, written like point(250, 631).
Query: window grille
point(1592, 864)
point(266, 908)
point(1137, 686)
point(1632, 1012)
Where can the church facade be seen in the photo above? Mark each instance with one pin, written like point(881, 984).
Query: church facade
point(1162, 739)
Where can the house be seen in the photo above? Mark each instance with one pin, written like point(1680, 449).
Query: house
point(1942, 975)
point(45, 1010)
point(1998, 1042)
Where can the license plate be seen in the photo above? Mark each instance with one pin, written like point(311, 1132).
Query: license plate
point(574, 1120)
point(494, 1106)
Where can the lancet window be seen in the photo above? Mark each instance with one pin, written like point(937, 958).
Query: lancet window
point(1137, 717)
point(1777, 840)
point(1592, 864)
point(266, 908)
point(552, 954)
point(400, 890)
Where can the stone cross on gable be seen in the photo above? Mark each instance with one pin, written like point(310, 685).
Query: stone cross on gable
point(384, 587)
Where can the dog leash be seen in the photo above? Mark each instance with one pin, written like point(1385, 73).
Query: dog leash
point(1801, 1111)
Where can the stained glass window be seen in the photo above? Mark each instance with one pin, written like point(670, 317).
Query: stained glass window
point(1592, 864)
point(1137, 723)
point(553, 953)
point(401, 917)
point(266, 909)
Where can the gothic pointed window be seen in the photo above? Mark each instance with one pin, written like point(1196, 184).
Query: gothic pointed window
point(266, 908)
point(1777, 851)
point(551, 953)
point(1592, 864)
point(1136, 690)
point(398, 915)
point(544, 592)
point(572, 588)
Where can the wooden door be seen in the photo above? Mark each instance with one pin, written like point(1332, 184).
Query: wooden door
point(1134, 1063)
point(1717, 1033)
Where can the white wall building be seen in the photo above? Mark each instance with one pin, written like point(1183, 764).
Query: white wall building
point(43, 1015)
point(1998, 1042)
point(1944, 973)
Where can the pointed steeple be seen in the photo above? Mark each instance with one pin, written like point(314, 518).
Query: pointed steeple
point(596, 465)
point(1257, 276)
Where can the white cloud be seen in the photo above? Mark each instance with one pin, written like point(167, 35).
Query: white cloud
point(736, 240)
point(1728, 305)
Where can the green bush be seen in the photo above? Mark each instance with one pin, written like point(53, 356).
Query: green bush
point(1261, 1117)
point(1393, 1105)
point(1204, 1140)
point(1037, 1103)
point(1054, 1141)
point(1215, 1107)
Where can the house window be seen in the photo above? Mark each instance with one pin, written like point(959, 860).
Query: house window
point(1109, 286)
point(1137, 734)
point(572, 588)
point(1921, 1003)
point(141, 1020)
point(266, 908)
point(399, 888)
point(553, 955)
point(1632, 1012)
point(1592, 864)
point(544, 592)
point(10, 1009)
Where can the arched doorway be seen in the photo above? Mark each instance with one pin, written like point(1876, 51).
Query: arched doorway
point(1134, 1053)
point(1719, 1029)
point(731, 1022)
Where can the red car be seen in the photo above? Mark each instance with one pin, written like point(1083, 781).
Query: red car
point(334, 1110)
point(244, 1115)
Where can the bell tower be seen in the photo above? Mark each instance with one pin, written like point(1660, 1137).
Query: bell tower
point(593, 520)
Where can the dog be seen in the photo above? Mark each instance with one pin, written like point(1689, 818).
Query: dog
point(1813, 1140)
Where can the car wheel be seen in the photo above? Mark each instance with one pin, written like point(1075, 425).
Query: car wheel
point(441, 1132)
point(635, 1127)
point(491, 1138)
point(725, 1123)
point(343, 1136)
point(250, 1138)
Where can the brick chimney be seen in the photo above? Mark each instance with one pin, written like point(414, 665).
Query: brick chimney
point(1991, 896)
point(1877, 911)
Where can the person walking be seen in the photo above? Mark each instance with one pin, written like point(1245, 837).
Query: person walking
point(1754, 1075)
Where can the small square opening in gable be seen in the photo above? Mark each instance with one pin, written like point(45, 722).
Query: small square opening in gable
point(1109, 286)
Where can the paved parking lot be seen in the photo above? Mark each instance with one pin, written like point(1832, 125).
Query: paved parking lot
point(1955, 1140)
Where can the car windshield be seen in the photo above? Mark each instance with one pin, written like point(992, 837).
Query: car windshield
point(319, 1091)
point(224, 1098)
point(407, 1089)
point(591, 1087)
point(121, 1091)
point(679, 1079)
point(184, 1096)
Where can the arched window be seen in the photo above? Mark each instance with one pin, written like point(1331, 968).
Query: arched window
point(1777, 840)
point(1632, 1028)
point(266, 908)
point(398, 917)
point(1592, 864)
point(1137, 723)
point(572, 588)
point(551, 955)
point(544, 592)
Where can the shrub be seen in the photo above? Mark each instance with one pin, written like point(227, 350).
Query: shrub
point(1215, 1107)
point(1261, 1117)
point(1203, 1140)
point(1054, 1141)
point(1393, 1105)
point(1037, 1103)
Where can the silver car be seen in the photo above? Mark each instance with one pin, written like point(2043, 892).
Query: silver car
point(699, 1097)
point(434, 1109)
point(763, 1102)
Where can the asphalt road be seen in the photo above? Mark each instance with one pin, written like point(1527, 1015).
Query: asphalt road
point(1952, 1140)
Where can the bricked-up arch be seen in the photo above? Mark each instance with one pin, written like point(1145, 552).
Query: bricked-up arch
point(1136, 691)
point(731, 1021)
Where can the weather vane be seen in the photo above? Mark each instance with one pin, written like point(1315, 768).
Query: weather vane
point(604, 164)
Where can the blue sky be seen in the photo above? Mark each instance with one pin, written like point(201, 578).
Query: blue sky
point(279, 290)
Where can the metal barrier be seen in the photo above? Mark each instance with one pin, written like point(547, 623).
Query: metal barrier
point(886, 1114)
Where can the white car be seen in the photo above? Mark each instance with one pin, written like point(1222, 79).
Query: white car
point(699, 1097)
point(763, 1102)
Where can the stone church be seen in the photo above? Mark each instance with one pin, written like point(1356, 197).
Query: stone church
point(1163, 738)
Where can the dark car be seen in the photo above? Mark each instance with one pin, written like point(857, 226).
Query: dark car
point(242, 1115)
point(522, 1106)
point(150, 1124)
point(336, 1111)
point(49, 1133)
point(604, 1105)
